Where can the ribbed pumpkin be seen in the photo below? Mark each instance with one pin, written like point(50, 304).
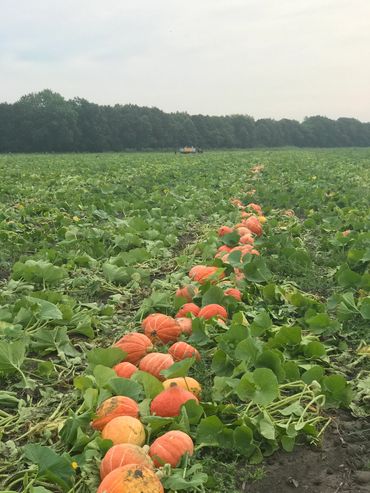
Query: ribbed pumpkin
point(224, 248)
point(125, 369)
point(132, 478)
point(255, 207)
point(135, 345)
point(111, 408)
point(212, 310)
point(242, 230)
point(224, 230)
point(154, 363)
point(187, 383)
point(124, 429)
point(247, 238)
point(186, 292)
point(161, 328)
point(182, 350)
point(187, 309)
point(234, 293)
point(169, 401)
point(203, 273)
point(170, 447)
point(254, 225)
point(123, 454)
point(185, 324)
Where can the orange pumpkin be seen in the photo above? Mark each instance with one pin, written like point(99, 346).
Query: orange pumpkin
point(186, 309)
point(132, 478)
point(122, 454)
point(154, 363)
point(168, 403)
point(239, 274)
point(186, 292)
point(187, 383)
point(182, 350)
point(257, 208)
point(224, 230)
point(161, 328)
point(170, 447)
point(234, 293)
point(124, 429)
point(203, 273)
point(247, 238)
point(254, 225)
point(185, 324)
point(125, 369)
point(135, 345)
point(242, 230)
point(212, 310)
point(111, 408)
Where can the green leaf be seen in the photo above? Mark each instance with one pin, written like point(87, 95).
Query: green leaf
point(287, 336)
point(337, 391)
point(243, 440)
point(208, 430)
point(365, 308)
point(11, 356)
point(261, 387)
point(272, 359)
point(260, 324)
point(105, 356)
point(103, 374)
point(152, 386)
point(256, 270)
point(287, 443)
point(125, 386)
point(222, 364)
point(45, 310)
point(248, 351)
point(314, 349)
point(51, 466)
point(214, 294)
point(316, 372)
point(179, 369)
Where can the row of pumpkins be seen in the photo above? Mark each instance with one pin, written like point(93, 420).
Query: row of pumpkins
point(129, 466)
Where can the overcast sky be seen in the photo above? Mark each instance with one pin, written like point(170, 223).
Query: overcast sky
point(266, 58)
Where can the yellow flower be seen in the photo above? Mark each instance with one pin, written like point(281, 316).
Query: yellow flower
point(76, 218)
point(74, 465)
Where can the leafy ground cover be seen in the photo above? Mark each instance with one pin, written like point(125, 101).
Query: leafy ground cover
point(93, 244)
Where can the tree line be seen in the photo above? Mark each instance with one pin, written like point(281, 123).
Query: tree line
point(46, 122)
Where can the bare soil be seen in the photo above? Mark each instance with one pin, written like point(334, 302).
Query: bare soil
point(340, 465)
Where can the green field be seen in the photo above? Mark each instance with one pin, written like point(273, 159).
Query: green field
point(92, 244)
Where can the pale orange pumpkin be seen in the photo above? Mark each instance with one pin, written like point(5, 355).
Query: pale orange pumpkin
point(187, 383)
point(187, 309)
point(132, 478)
point(170, 447)
point(234, 293)
point(247, 238)
point(161, 328)
point(168, 403)
point(185, 324)
point(212, 310)
point(203, 273)
point(182, 350)
point(135, 345)
point(125, 369)
point(124, 429)
point(224, 230)
point(186, 292)
point(123, 454)
point(154, 363)
point(111, 408)
point(254, 225)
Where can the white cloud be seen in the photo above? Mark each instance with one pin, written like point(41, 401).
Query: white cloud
point(286, 58)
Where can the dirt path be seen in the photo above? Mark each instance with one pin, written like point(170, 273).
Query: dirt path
point(340, 465)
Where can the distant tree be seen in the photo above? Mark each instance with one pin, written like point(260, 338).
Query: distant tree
point(46, 122)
